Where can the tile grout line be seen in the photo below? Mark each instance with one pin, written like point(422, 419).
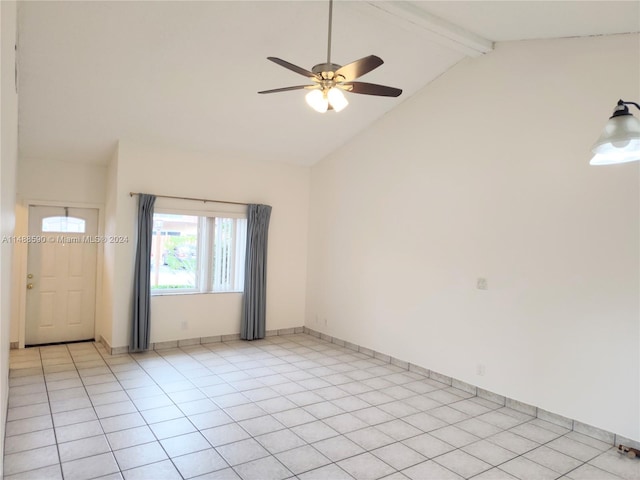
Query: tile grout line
point(504, 430)
point(53, 426)
point(396, 442)
point(432, 374)
point(84, 386)
point(139, 412)
point(236, 422)
point(296, 358)
point(50, 414)
point(270, 415)
point(285, 428)
point(80, 378)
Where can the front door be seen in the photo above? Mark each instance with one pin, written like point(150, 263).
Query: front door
point(61, 274)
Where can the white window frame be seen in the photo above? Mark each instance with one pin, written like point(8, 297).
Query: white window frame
point(206, 252)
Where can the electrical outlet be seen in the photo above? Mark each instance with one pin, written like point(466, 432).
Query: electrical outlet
point(481, 369)
point(325, 321)
point(482, 284)
point(317, 318)
point(184, 325)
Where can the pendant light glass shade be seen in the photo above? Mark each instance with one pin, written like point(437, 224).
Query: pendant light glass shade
point(317, 100)
point(322, 100)
point(337, 99)
point(620, 139)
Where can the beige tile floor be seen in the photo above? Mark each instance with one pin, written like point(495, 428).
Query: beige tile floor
point(285, 407)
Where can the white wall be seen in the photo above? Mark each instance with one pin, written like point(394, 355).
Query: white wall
point(8, 160)
point(51, 180)
point(484, 173)
point(136, 168)
point(105, 328)
point(164, 172)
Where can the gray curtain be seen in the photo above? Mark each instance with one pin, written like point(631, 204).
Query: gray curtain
point(142, 276)
point(254, 300)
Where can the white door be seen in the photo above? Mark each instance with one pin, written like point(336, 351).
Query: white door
point(61, 274)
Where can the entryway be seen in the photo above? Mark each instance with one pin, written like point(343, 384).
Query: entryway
point(61, 274)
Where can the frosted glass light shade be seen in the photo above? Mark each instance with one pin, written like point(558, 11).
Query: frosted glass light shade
point(316, 100)
point(337, 99)
point(619, 142)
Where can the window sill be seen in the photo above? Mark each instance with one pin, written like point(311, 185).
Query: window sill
point(174, 294)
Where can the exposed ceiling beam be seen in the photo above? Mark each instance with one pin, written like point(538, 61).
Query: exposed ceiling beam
point(410, 16)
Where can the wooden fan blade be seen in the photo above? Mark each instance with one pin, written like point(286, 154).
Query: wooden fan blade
point(358, 68)
point(371, 89)
point(293, 68)
point(286, 89)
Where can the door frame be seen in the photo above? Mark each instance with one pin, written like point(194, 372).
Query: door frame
point(19, 309)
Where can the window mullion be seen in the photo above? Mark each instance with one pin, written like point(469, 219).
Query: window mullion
point(232, 255)
point(216, 256)
point(239, 260)
point(208, 259)
point(201, 274)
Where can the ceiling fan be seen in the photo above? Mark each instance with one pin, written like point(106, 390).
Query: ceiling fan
point(330, 80)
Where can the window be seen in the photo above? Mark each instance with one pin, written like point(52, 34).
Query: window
point(192, 254)
point(230, 236)
point(63, 225)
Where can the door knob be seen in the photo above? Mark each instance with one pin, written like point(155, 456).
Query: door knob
point(29, 286)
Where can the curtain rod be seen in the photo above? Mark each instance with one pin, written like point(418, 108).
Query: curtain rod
point(205, 200)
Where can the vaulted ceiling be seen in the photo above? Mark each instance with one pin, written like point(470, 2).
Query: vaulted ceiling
point(186, 74)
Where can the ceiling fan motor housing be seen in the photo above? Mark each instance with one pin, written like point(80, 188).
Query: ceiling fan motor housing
point(325, 68)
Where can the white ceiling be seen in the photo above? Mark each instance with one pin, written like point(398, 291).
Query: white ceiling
point(186, 74)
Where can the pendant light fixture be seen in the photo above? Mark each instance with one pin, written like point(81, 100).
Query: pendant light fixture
point(620, 139)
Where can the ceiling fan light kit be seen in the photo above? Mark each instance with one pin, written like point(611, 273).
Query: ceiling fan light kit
point(620, 139)
point(330, 80)
point(323, 100)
